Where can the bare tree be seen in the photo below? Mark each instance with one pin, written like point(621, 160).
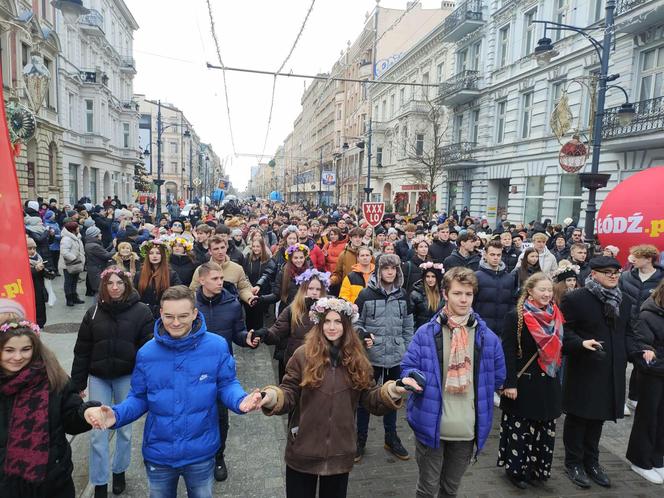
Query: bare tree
point(428, 163)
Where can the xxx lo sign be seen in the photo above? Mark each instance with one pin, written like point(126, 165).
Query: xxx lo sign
point(633, 213)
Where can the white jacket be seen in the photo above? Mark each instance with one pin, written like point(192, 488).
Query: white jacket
point(72, 252)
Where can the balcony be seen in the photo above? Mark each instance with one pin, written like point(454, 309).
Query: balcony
point(93, 22)
point(630, 18)
point(128, 64)
point(93, 77)
point(459, 89)
point(646, 130)
point(458, 155)
point(417, 107)
point(365, 70)
point(466, 18)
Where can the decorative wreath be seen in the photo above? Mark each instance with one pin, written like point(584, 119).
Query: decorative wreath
point(21, 121)
point(325, 304)
point(17, 325)
point(149, 244)
point(186, 243)
point(115, 271)
point(311, 273)
point(296, 248)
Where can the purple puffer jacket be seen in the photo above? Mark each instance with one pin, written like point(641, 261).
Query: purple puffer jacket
point(424, 410)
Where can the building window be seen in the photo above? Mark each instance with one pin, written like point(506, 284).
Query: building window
point(503, 46)
point(338, 112)
point(534, 198)
point(383, 110)
point(475, 55)
point(458, 126)
point(93, 184)
point(425, 89)
point(52, 165)
point(560, 13)
point(47, 100)
point(419, 144)
point(389, 152)
point(70, 110)
point(501, 109)
point(439, 72)
point(174, 167)
point(569, 204)
point(25, 54)
point(405, 138)
point(527, 114)
point(392, 110)
point(652, 73)
point(475, 125)
point(379, 156)
point(174, 147)
point(402, 97)
point(89, 116)
point(529, 31)
point(598, 10)
point(462, 60)
point(73, 184)
point(556, 93)
point(125, 135)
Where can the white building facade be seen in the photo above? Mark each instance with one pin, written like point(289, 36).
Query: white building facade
point(100, 117)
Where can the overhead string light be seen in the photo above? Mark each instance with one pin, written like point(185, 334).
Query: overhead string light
point(221, 63)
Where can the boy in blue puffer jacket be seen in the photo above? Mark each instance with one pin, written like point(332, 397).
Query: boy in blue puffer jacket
point(463, 363)
point(178, 378)
point(223, 316)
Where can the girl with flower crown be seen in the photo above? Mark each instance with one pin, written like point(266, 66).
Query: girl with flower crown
point(39, 406)
point(110, 335)
point(326, 380)
point(182, 260)
point(155, 275)
point(293, 323)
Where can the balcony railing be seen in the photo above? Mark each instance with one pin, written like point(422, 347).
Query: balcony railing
point(93, 18)
point(128, 62)
point(458, 152)
point(465, 80)
point(623, 6)
point(649, 118)
point(464, 19)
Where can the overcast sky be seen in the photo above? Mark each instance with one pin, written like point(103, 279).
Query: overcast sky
point(174, 43)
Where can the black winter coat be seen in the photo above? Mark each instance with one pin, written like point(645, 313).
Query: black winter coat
point(648, 335)
point(594, 383)
point(150, 296)
point(109, 338)
point(282, 335)
point(495, 297)
point(638, 291)
point(96, 260)
point(411, 272)
point(510, 257)
point(254, 269)
point(201, 253)
point(584, 271)
point(65, 416)
point(456, 259)
point(184, 266)
point(539, 397)
point(420, 306)
point(41, 295)
point(439, 250)
point(106, 226)
point(562, 254)
point(403, 250)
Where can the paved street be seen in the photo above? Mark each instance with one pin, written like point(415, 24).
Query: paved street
point(256, 446)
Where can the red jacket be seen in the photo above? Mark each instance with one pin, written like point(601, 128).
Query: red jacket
point(317, 258)
point(332, 250)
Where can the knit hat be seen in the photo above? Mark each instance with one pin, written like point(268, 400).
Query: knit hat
point(117, 214)
point(33, 205)
point(392, 230)
point(70, 213)
point(71, 226)
point(235, 232)
point(88, 222)
point(12, 306)
point(49, 215)
point(92, 232)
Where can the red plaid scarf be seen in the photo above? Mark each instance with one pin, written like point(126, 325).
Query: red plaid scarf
point(546, 328)
point(28, 443)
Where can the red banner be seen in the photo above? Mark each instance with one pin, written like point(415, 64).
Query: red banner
point(15, 278)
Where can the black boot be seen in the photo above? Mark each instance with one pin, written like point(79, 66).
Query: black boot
point(101, 491)
point(70, 300)
point(361, 444)
point(76, 299)
point(394, 446)
point(220, 470)
point(119, 483)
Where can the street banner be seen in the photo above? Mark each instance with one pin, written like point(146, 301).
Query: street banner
point(329, 178)
point(15, 277)
point(373, 212)
point(633, 213)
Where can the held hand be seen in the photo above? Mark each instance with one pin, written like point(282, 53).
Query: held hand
point(269, 398)
point(252, 341)
point(409, 384)
point(369, 341)
point(251, 402)
point(592, 345)
point(255, 290)
point(649, 356)
point(83, 394)
point(510, 393)
point(100, 417)
point(253, 300)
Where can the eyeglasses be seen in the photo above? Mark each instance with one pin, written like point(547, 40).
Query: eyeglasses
point(610, 273)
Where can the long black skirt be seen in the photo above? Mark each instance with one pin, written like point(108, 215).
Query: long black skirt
point(526, 447)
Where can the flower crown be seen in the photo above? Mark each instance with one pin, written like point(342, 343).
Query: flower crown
point(296, 248)
point(566, 269)
point(325, 304)
point(149, 244)
point(23, 323)
point(115, 271)
point(187, 244)
point(427, 265)
point(311, 273)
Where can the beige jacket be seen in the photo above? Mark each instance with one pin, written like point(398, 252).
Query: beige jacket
point(234, 274)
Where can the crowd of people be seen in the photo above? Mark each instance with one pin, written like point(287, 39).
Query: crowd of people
point(445, 314)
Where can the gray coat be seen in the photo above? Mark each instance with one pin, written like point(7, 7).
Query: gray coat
point(97, 260)
point(387, 317)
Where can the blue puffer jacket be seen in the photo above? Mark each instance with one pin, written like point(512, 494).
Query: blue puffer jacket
point(177, 382)
point(425, 410)
point(496, 295)
point(223, 316)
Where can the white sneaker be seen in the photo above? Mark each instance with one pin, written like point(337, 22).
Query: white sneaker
point(626, 411)
point(650, 475)
point(631, 404)
point(496, 400)
point(659, 470)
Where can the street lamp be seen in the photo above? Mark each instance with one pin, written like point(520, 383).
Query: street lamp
point(71, 9)
point(544, 52)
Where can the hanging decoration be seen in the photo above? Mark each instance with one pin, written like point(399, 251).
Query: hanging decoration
point(573, 155)
point(561, 117)
point(22, 125)
point(37, 79)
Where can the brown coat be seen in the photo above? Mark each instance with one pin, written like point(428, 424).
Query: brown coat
point(347, 259)
point(281, 332)
point(325, 440)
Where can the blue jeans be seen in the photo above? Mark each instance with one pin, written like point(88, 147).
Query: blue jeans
point(109, 392)
point(381, 375)
point(163, 481)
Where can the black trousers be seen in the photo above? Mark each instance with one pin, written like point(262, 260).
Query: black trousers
point(634, 381)
point(301, 485)
point(646, 441)
point(223, 429)
point(71, 281)
point(581, 439)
